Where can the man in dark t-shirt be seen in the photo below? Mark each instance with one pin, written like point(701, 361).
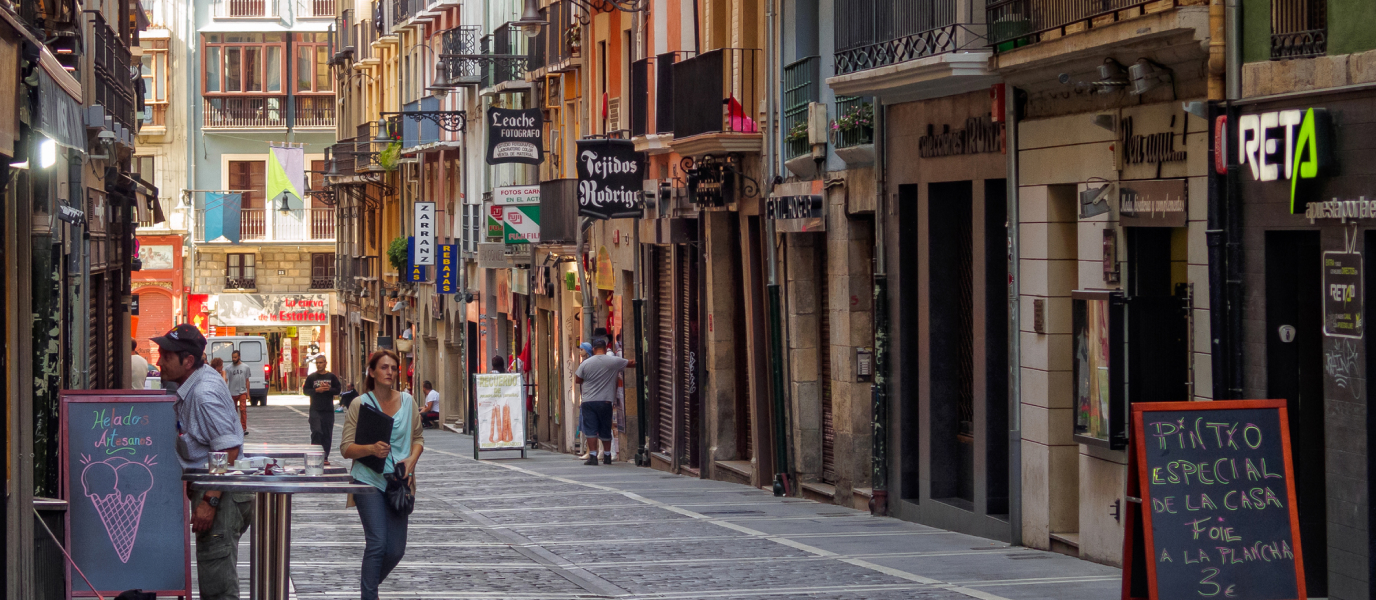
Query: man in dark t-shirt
point(322, 386)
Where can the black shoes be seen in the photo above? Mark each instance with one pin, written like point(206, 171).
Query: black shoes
point(592, 460)
point(606, 459)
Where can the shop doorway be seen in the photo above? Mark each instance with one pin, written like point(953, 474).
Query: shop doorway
point(1158, 314)
point(950, 294)
point(1295, 372)
point(906, 338)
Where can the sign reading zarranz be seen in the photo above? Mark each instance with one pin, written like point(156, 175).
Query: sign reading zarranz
point(1294, 144)
point(515, 136)
point(610, 180)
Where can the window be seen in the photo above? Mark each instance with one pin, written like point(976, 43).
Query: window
point(153, 68)
point(143, 167)
point(1299, 28)
point(240, 271)
point(322, 271)
point(312, 68)
point(243, 63)
point(317, 182)
point(250, 176)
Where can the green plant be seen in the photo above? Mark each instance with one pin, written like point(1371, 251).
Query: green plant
point(396, 254)
point(798, 133)
point(387, 159)
point(860, 118)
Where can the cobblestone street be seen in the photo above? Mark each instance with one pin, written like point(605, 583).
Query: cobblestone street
point(549, 527)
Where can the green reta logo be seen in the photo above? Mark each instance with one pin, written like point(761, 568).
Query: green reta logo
point(1306, 155)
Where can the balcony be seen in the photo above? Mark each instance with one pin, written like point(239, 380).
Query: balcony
point(551, 49)
point(510, 44)
point(246, 9)
point(245, 112)
point(800, 89)
point(241, 283)
point(464, 39)
point(1299, 29)
point(268, 225)
point(907, 50)
point(715, 97)
point(1013, 24)
point(322, 283)
point(320, 8)
point(114, 90)
point(314, 111)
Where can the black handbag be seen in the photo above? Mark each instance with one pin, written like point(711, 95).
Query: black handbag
point(399, 494)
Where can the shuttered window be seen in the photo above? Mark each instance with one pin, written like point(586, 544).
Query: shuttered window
point(250, 176)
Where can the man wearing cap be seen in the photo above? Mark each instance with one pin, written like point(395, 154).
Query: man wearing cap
point(206, 422)
point(597, 374)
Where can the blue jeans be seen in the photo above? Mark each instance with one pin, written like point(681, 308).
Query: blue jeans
point(384, 534)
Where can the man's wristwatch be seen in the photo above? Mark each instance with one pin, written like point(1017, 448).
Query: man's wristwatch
point(213, 501)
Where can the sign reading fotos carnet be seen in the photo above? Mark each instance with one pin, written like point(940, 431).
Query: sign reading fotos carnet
point(610, 179)
point(501, 411)
point(515, 136)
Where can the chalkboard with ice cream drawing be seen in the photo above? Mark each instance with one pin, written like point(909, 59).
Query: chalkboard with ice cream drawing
point(127, 509)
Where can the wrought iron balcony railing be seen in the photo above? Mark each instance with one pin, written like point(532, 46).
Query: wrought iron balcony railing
point(857, 136)
point(1014, 23)
point(315, 224)
point(314, 111)
point(241, 283)
point(245, 112)
point(463, 40)
point(508, 47)
point(641, 73)
point(716, 92)
point(800, 89)
point(664, 90)
point(876, 33)
point(1299, 28)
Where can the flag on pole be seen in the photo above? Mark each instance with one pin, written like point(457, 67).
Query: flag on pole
point(287, 175)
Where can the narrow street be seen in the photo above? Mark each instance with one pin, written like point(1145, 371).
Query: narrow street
point(549, 527)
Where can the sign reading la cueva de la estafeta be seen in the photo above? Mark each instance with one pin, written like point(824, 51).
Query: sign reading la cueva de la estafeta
point(248, 310)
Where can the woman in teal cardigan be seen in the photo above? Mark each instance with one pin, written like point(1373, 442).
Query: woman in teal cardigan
point(384, 530)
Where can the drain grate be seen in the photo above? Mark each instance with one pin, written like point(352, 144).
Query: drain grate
point(1029, 556)
point(732, 512)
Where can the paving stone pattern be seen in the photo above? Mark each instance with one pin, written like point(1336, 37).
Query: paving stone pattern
point(549, 527)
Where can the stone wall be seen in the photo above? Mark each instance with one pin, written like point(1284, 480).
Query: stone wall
point(279, 270)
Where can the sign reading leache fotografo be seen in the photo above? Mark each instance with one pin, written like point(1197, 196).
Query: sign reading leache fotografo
point(610, 179)
point(248, 310)
point(514, 136)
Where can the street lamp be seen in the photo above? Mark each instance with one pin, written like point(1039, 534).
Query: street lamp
point(530, 23)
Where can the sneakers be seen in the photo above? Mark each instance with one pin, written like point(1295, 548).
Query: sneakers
point(606, 459)
point(592, 460)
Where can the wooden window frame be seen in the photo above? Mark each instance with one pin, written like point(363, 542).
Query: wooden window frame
point(242, 46)
point(158, 50)
point(297, 47)
point(241, 272)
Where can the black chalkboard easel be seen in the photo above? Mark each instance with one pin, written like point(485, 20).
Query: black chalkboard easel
point(127, 507)
point(1211, 510)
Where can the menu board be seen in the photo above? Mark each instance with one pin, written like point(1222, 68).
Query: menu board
point(127, 512)
point(1218, 500)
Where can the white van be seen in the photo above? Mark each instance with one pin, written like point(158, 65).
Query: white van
point(253, 351)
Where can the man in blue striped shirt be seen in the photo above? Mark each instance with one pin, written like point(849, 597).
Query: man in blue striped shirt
point(207, 422)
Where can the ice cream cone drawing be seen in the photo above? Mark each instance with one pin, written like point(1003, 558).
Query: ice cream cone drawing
point(117, 487)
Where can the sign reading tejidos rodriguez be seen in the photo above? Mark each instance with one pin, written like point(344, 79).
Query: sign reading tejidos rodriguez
point(610, 179)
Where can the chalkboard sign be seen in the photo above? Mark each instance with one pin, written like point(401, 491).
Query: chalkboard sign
point(1218, 500)
point(127, 508)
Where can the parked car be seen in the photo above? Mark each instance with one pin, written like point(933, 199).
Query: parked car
point(253, 351)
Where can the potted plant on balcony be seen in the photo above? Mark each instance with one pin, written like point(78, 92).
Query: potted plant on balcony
point(388, 158)
point(573, 38)
point(396, 255)
point(853, 134)
point(800, 160)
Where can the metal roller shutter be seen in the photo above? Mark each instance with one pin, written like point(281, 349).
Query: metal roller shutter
point(93, 334)
point(688, 344)
point(155, 319)
point(824, 351)
point(664, 346)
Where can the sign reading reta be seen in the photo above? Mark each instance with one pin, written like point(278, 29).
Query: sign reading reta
point(1289, 144)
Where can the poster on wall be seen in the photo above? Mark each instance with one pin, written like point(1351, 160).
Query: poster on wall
point(1097, 320)
point(610, 179)
point(1342, 299)
point(156, 258)
point(515, 136)
point(248, 310)
point(501, 412)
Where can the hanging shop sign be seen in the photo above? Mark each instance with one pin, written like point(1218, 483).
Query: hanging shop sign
point(514, 136)
point(494, 220)
point(247, 310)
point(414, 273)
point(797, 214)
point(1342, 298)
point(425, 233)
point(1152, 203)
point(980, 135)
point(1150, 147)
point(610, 179)
point(447, 275)
point(520, 207)
point(59, 114)
point(1294, 145)
point(491, 255)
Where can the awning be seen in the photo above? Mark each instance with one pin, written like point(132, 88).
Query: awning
point(59, 114)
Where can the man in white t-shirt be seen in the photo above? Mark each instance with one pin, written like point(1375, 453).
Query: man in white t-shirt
point(138, 368)
point(430, 414)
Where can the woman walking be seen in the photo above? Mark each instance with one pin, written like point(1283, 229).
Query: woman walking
point(384, 529)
